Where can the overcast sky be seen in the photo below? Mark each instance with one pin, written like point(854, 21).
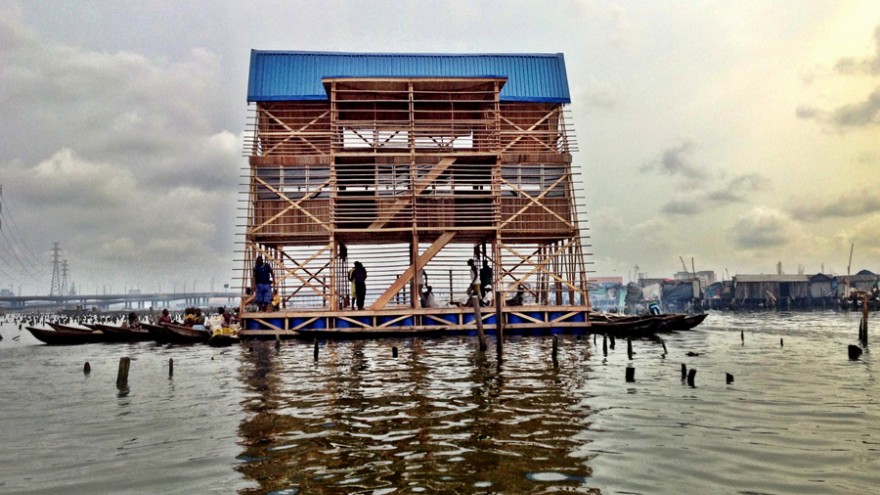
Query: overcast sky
point(739, 134)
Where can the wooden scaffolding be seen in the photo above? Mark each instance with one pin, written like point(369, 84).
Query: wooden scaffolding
point(413, 177)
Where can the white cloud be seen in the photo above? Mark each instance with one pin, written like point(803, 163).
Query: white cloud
point(114, 154)
point(762, 227)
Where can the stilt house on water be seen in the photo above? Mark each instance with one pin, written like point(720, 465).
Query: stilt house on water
point(412, 164)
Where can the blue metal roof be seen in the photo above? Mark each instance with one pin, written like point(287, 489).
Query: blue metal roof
point(292, 75)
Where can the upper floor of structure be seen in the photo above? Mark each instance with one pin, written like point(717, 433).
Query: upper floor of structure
point(318, 103)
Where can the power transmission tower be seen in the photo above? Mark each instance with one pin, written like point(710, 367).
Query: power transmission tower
point(56, 271)
point(65, 269)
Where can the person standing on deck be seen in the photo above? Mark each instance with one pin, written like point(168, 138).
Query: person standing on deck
point(262, 282)
point(485, 279)
point(474, 286)
point(359, 278)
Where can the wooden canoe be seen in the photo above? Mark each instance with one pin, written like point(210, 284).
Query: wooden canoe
point(182, 334)
point(223, 340)
point(69, 328)
point(158, 332)
point(689, 321)
point(55, 337)
point(643, 325)
point(119, 334)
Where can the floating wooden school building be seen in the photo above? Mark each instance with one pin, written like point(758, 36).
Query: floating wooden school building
point(412, 164)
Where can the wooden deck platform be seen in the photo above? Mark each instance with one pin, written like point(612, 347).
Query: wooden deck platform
point(408, 322)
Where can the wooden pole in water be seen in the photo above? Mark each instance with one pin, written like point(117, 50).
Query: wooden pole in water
point(684, 371)
point(663, 343)
point(854, 351)
point(170, 366)
point(316, 349)
point(729, 378)
point(604, 345)
point(555, 350)
point(691, 375)
point(122, 373)
point(611, 339)
point(478, 319)
point(87, 368)
point(742, 336)
point(630, 374)
point(394, 351)
point(499, 324)
point(629, 348)
point(863, 325)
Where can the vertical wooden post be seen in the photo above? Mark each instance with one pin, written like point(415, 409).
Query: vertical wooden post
point(630, 374)
point(316, 349)
point(122, 373)
point(611, 341)
point(87, 368)
point(684, 371)
point(854, 351)
point(450, 287)
point(729, 378)
point(629, 348)
point(499, 323)
point(604, 345)
point(478, 319)
point(555, 351)
point(863, 325)
point(170, 366)
point(691, 375)
point(393, 351)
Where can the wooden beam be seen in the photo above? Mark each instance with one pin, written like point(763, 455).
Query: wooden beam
point(404, 278)
point(292, 205)
point(420, 185)
point(535, 200)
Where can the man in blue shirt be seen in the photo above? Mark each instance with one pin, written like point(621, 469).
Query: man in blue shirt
point(262, 282)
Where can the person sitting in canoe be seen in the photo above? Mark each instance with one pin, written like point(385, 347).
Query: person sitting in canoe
point(189, 317)
point(199, 320)
point(164, 318)
point(227, 317)
point(133, 321)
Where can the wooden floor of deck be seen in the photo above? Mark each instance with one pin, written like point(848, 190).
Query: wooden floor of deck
point(292, 323)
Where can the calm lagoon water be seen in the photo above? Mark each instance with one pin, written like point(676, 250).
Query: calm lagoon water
point(799, 418)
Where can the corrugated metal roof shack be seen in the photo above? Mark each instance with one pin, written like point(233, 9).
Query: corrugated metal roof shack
point(754, 290)
point(412, 164)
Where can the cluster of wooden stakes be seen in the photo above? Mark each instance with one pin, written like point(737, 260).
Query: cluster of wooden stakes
point(688, 375)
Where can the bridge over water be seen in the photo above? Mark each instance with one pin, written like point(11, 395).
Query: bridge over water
point(131, 300)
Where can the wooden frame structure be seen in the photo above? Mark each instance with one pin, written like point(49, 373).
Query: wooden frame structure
point(413, 176)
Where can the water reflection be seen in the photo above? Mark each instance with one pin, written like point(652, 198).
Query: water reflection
point(440, 418)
